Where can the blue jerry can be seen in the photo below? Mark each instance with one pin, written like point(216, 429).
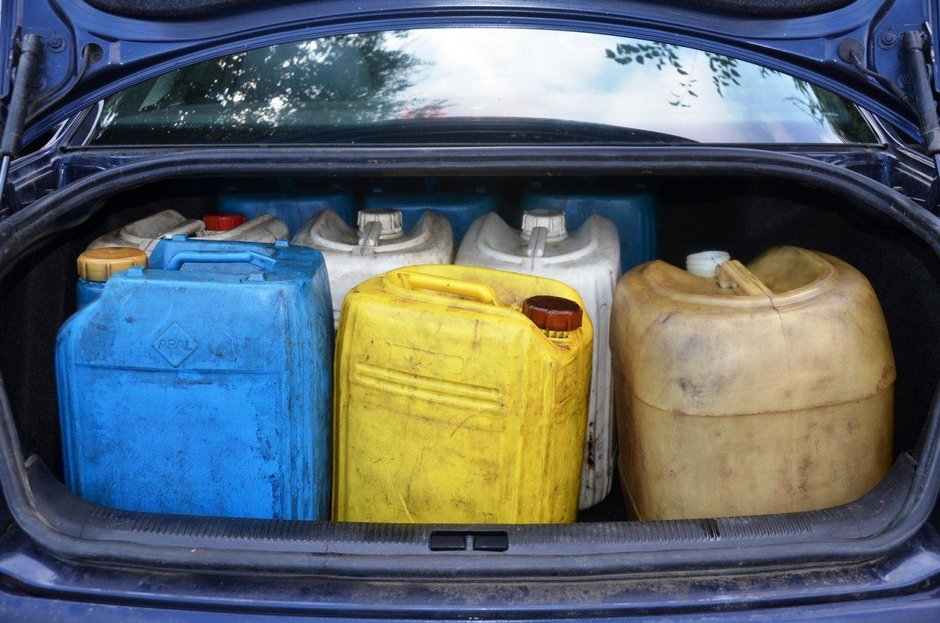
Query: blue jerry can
point(293, 209)
point(634, 214)
point(458, 207)
point(202, 385)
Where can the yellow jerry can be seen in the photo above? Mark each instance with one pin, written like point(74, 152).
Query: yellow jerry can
point(750, 390)
point(461, 396)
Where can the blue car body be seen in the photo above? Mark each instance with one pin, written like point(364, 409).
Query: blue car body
point(94, 49)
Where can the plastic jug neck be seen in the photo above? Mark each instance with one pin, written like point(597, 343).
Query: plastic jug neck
point(730, 274)
point(552, 221)
point(223, 222)
point(706, 263)
point(376, 225)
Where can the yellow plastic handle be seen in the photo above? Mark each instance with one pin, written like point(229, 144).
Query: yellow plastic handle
point(467, 289)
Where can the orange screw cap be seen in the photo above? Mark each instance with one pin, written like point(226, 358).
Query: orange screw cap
point(100, 264)
point(553, 313)
point(223, 222)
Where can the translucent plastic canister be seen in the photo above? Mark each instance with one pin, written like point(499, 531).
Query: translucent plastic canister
point(750, 390)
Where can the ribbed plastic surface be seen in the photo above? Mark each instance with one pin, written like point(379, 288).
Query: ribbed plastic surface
point(202, 386)
point(101, 264)
point(587, 259)
point(289, 544)
point(634, 214)
point(451, 406)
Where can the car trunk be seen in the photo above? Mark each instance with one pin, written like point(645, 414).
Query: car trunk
point(742, 202)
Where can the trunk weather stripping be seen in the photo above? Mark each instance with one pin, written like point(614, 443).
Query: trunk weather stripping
point(26, 67)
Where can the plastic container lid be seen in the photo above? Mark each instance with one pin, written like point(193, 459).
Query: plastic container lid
point(99, 264)
point(223, 222)
point(551, 220)
point(390, 221)
point(706, 263)
point(553, 313)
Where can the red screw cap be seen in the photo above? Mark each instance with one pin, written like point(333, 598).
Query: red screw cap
point(553, 313)
point(223, 222)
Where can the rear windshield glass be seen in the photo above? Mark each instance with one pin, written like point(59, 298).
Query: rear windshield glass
point(459, 85)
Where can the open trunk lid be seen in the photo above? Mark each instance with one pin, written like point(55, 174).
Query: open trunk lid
point(856, 49)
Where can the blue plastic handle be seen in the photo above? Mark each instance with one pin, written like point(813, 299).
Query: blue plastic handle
point(222, 257)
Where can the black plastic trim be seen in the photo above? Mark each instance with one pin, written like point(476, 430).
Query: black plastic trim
point(768, 8)
point(72, 529)
point(295, 541)
point(179, 9)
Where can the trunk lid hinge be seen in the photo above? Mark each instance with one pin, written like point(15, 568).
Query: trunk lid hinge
point(918, 57)
point(27, 65)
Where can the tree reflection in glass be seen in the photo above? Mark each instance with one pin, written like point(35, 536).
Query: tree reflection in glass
point(725, 73)
point(502, 84)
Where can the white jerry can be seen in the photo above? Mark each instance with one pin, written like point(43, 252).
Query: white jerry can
point(587, 260)
point(379, 245)
point(145, 233)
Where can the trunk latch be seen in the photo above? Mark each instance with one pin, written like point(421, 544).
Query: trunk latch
point(459, 541)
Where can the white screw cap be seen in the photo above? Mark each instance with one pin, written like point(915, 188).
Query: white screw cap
point(390, 221)
point(706, 263)
point(552, 220)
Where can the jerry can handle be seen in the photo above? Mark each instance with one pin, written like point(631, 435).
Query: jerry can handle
point(224, 257)
point(733, 274)
point(467, 289)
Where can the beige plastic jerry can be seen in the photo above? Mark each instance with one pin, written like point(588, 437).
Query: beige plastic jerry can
point(750, 390)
